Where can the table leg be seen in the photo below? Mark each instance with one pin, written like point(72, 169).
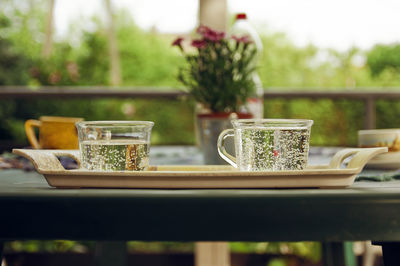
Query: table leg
point(212, 254)
point(338, 253)
point(110, 253)
point(390, 252)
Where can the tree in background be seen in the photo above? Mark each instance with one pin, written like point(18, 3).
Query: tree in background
point(384, 64)
point(382, 57)
point(14, 64)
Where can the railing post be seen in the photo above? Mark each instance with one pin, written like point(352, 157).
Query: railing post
point(370, 113)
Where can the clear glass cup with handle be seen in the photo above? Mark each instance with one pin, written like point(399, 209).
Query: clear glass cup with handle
point(114, 145)
point(267, 144)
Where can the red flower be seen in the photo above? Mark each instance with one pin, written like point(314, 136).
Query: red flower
point(244, 39)
point(209, 34)
point(202, 29)
point(214, 36)
point(178, 42)
point(199, 43)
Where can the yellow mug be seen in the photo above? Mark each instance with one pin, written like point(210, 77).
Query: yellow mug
point(54, 132)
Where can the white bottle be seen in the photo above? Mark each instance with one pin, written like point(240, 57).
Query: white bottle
point(242, 27)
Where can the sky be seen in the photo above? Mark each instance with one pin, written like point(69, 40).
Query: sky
point(338, 24)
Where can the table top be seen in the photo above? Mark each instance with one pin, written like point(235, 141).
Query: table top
point(33, 210)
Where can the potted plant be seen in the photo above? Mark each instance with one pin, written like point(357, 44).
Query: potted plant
point(218, 76)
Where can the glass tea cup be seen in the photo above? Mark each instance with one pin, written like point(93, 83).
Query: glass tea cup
point(267, 144)
point(114, 145)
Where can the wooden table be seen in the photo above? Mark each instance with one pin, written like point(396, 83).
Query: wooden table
point(365, 211)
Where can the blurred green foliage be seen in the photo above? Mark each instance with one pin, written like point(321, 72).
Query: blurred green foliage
point(13, 63)
point(51, 246)
point(148, 60)
point(307, 250)
point(384, 57)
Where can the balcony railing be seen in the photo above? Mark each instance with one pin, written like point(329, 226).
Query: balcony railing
point(369, 97)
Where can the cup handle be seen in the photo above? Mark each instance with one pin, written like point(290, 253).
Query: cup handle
point(221, 147)
point(30, 132)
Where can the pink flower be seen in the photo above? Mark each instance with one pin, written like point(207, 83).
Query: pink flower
point(244, 39)
point(214, 36)
point(202, 29)
point(209, 34)
point(178, 42)
point(199, 43)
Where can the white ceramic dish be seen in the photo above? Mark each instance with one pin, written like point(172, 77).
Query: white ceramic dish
point(390, 161)
point(380, 138)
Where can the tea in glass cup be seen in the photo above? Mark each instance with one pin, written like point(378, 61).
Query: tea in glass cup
point(268, 144)
point(114, 145)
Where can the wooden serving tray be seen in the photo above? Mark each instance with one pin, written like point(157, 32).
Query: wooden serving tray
point(201, 176)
